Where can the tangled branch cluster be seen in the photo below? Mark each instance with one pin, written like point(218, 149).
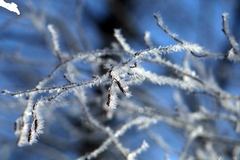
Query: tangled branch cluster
point(120, 78)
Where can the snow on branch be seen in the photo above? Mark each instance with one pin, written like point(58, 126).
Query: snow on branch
point(132, 155)
point(37, 122)
point(163, 80)
point(226, 31)
point(55, 42)
point(148, 40)
point(112, 97)
point(121, 131)
point(193, 48)
point(10, 6)
point(122, 41)
point(165, 29)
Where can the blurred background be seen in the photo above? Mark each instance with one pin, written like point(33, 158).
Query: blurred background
point(26, 57)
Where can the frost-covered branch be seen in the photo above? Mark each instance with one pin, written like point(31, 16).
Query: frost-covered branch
point(226, 31)
point(119, 81)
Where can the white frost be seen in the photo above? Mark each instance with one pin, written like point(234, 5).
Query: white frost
point(10, 6)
